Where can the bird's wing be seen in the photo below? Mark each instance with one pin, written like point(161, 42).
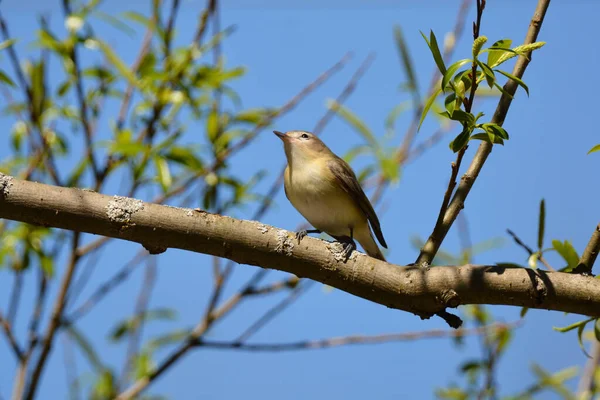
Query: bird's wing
point(349, 183)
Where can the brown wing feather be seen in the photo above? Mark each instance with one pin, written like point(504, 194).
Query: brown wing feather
point(348, 181)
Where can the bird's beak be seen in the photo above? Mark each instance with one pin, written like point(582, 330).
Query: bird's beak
point(280, 135)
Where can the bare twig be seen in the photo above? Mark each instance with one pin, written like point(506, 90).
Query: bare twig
point(15, 295)
point(529, 250)
point(55, 320)
point(83, 104)
point(12, 340)
point(439, 233)
point(140, 308)
point(147, 41)
point(70, 368)
point(106, 287)
point(587, 383)
point(351, 340)
point(39, 307)
point(586, 263)
point(274, 311)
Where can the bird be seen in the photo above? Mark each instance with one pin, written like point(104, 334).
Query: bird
point(324, 189)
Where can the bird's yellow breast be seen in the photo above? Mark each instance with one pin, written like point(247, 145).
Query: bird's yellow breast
point(315, 192)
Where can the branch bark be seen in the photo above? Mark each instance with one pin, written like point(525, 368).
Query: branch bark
point(422, 291)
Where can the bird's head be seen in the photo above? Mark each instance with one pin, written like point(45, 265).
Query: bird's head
point(302, 146)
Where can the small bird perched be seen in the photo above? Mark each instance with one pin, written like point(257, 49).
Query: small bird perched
point(325, 190)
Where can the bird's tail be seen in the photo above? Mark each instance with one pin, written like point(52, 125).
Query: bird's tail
point(367, 241)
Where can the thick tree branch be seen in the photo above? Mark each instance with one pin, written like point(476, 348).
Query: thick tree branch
point(468, 179)
point(422, 291)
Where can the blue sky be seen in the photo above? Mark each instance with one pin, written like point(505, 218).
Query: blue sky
point(285, 46)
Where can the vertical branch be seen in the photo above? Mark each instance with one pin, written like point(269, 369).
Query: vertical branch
point(70, 368)
point(12, 340)
point(587, 384)
point(55, 320)
point(15, 296)
point(468, 179)
point(140, 309)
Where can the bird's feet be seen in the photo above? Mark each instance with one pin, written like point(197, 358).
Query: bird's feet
point(301, 234)
point(349, 246)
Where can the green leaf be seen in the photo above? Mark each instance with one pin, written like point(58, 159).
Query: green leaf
point(167, 339)
point(356, 151)
point(541, 225)
point(86, 347)
point(141, 19)
point(105, 387)
point(435, 51)
point(523, 311)
point(114, 59)
point(253, 115)
point(576, 325)
point(427, 106)
point(567, 252)
point(514, 78)
point(490, 77)
point(461, 116)
point(390, 168)
point(143, 365)
point(495, 129)
point(184, 156)
point(501, 89)
point(115, 22)
point(451, 70)
point(212, 125)
point(450, 103)
point(594, 149)
point(5, 79)
point(7, 43)
point(393, 116)
point(460, 141)
point(124, 328)
point(47, 264)
point(497, 49)
point(407, 64)
point(163, 173)
point(580, 340)
point(353, 120)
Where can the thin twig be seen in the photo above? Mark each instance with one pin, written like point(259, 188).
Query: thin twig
point(352, 340)
point(456, 205)
point(12, 340)
point(39, 308)
point(55, 320)
point(106, 288)
point(141, 307)
point(587, 383)
point(529, 250)
point(15, 295)
point(83, 105)
point(70, 368)
point(274, 311)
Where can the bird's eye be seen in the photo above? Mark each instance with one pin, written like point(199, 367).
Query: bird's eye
point(304, 136)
